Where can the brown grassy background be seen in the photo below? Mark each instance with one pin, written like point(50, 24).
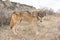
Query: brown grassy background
point(49, 29)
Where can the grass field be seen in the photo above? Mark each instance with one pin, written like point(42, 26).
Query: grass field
point(49, 29)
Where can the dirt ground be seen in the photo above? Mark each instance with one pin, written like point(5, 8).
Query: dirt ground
point(49, 29)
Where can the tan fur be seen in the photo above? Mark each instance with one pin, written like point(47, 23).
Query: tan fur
point(19, 16)
point(14, 20)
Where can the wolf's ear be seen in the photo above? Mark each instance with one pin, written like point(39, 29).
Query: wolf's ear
point(14, 12)
point(45, 13)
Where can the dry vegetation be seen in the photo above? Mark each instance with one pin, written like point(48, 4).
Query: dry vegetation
point(49, 29)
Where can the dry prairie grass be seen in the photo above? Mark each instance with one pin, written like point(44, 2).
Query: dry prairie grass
point(49, 29)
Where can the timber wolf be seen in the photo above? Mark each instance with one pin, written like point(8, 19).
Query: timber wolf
point(17, 17)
